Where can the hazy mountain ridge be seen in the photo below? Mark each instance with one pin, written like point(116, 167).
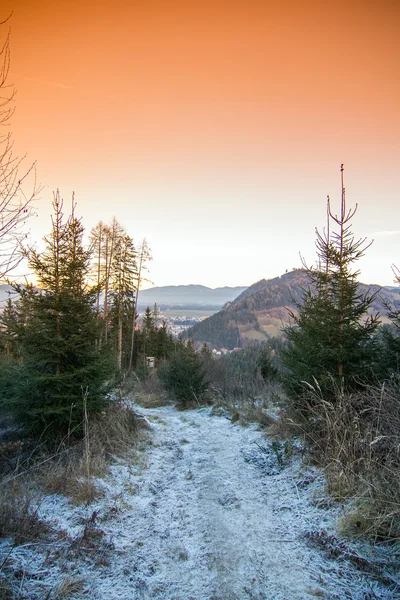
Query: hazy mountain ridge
point(171, 295)
point(189, 295)
point(261, 311)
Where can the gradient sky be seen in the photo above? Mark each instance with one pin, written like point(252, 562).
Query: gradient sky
point(214, 129)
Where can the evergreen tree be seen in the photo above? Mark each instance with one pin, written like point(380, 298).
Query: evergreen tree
point(151, 340)
point(183, 375)
point(332, 336)
point(62, 367)
point(148, 334)
point(8, 323)
point(164, 343)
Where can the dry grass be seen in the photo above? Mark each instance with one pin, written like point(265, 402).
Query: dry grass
point(71, 472)
point(149, 399)
point(68, 587)
point(10, 452)
point(148, 392)
point(356, 438)
point(19, 506)
point(261, 408)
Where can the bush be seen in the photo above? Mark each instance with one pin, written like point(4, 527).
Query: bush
point(356, 438)
point(183, 376)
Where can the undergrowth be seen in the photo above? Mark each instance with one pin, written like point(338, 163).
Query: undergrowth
point(356, 439)
point(69, 470)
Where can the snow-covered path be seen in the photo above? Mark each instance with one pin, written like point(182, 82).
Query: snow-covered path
point(212, 516)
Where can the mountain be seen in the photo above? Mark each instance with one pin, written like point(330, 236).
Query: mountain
point(188, 296)
point(5, 291)
point(261, 311)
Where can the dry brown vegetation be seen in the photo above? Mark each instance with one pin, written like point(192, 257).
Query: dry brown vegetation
point(70, 470)
point(356, 439)
point(19, 505)
point(147, 392)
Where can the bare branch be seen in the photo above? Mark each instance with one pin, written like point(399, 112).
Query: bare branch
point(17, 190)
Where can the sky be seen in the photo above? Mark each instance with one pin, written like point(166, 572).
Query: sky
point(214, 129)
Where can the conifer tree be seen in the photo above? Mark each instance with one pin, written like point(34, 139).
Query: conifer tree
point(183, 375)
point(62, 366)
point(153, 340)
point(331, 335)
point(8, 323)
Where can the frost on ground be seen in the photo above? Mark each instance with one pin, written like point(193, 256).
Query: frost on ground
point(217, 513)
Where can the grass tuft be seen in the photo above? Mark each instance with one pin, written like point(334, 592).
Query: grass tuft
point(68, 587)
point(356, 438)
point(19, 519)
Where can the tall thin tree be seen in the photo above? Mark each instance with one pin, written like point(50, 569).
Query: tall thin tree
point(332, 334)
point(144, 256)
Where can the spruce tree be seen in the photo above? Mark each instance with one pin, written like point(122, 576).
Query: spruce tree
point(331, 337)
point(183, 375)
point(63, 368)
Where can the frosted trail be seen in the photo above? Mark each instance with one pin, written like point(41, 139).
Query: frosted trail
point(213, 516)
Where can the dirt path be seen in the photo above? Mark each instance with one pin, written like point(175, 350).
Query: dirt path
point(214, 517)
point(217, 513)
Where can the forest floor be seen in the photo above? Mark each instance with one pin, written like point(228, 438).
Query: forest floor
point(211, 511)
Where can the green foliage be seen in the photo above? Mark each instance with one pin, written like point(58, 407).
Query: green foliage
point(57, 333)
point(269, 370)
point(152, 340)
point(60, 362)
point(388, 341)
point(183, 375)
point(8, 339)
point(331, 337)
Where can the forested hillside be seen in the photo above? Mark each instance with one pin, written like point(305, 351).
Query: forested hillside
point(261, 311)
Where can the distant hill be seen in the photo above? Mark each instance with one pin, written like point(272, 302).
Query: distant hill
point(179, 296)
point(5, 291)
point(188, 296)
point(261, 311)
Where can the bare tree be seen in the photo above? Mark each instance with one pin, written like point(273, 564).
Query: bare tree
point(144, 256)
point(15, 201)
point(96, 238)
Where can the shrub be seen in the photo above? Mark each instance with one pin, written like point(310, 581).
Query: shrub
point(356, 437)
point(183, 376)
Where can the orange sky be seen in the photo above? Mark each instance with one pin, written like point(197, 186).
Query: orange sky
point(215, 129)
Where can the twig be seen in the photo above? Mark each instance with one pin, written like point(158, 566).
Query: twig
point(280, 541)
